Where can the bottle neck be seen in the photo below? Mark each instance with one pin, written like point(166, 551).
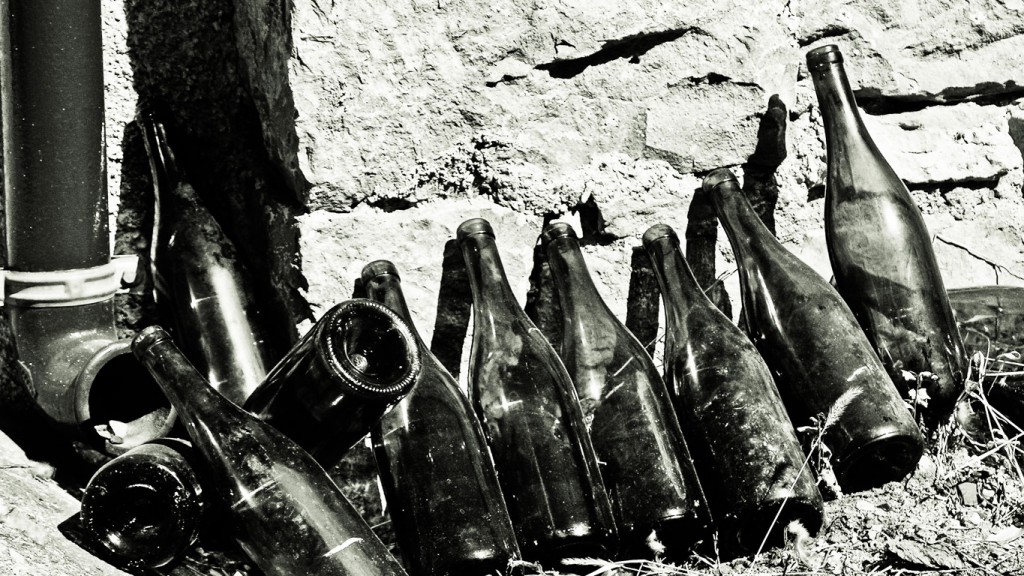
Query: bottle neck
point(492, 295)
point(162, 163)
point(387, 289)
point(747, 234)
point(844, 127)
point(675, 279)
point(576, 291)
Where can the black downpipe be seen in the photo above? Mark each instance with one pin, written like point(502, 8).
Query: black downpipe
point(60, 282)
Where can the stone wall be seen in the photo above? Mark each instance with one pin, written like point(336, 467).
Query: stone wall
point(395, 121)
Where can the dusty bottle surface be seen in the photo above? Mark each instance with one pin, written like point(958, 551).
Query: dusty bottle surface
point(285, 512)
point(880, 248)
point(442, 491)
point(645, 463)
point(327, 392)
point(146, 505)
point(818, 354)
point(746, 450)
point(200, 281)
point(526, 401)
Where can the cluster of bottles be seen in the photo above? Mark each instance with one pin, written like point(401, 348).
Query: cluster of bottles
point(583, 451)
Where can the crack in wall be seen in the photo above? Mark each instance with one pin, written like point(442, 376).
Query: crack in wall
point(984, 94)
point(996, 266)
point(631, 47)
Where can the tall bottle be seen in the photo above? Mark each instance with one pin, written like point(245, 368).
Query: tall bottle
point(819, 356)
point(442, 492)
point(199, 280)
point(527, 403)
point(746, 451)
point(359, 359)
point(285, 512)
point(645, 463)
point(880, 248)
point(146, 505)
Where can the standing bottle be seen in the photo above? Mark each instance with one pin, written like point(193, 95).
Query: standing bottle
point(146, 505)
point(199, 280)
point(526, 401)
point(819, 356)
point(442, 492)
point(645, 463)
point(286, 513)
point(880, 248)
point(746, 451)
point(358, 360)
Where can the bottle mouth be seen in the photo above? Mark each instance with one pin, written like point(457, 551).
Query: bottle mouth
point(557, 230)
point(657, 232)
point(473, 226)
point(147, 338)
point(823, 56)
point(371, 349)
point(716, 178)
point(379, 268)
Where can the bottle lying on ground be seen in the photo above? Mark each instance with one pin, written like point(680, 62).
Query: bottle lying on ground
point(146, 505)
point(645, 463)
point(442, 492)
point(823, 364)
point(881, 250)
point(527, 403)
point(285, 512)
point(359, 359)
point(746, 451)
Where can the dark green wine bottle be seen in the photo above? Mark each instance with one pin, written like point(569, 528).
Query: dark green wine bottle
point(822, 362)
point(146, 505)
point(285, 512)
point(199, 279)
point(526, 401)
point(442, 492)
point(645, 463)
point(746, 451)
point(358, 360)
point(880, 248)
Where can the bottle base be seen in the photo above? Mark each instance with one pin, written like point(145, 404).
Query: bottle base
point(766, 526)
point(883, 459)
point(671, 537)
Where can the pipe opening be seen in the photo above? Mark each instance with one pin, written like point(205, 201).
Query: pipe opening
point(121, 401)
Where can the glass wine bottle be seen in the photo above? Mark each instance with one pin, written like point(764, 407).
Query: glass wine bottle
point(442, 492)
point(358, 360)
point(823, 364)
point(880, 248)
point(199, 280)
point(285, 512)
point(746, 451)
point(535, 429)
point(146, 505)
point(645, 464)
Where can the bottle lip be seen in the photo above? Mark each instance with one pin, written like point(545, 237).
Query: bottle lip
point(147, 338)
point(716, 178)
point(657, 232)
point(345, 367)
point(474, 226)
point(556, 230)
point(379, 268)
point(824, 55)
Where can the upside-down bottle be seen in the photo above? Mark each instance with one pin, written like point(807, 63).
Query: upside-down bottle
point(284, 510)
point(746, 451)
point(529, 409)
point(146, 505)
point(645, 463)
point(199, 280)
point(359, 359)
point(821, 360)
point(880, 248)
point(442, 492)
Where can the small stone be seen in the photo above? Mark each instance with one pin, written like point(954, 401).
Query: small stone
point(968, 493)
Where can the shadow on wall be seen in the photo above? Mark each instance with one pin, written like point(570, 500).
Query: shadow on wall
point(184, 59)
point(643, 299)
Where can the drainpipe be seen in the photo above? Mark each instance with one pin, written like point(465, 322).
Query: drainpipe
point(60, 281)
